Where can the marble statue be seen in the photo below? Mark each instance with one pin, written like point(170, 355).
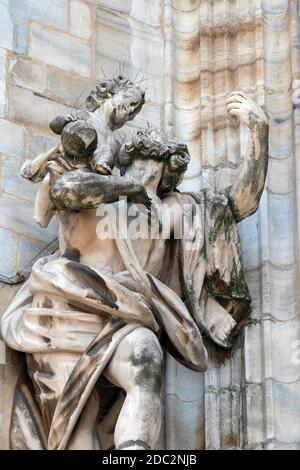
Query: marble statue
point(94, 318)
point(88, 139)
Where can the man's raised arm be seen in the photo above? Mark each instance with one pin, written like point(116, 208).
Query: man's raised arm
point(78, 190)
point(245, 193)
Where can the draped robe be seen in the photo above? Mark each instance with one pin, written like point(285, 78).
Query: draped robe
point(72, 315)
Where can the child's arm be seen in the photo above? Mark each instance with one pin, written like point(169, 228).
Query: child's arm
point(43, 207)
point(104, 157)
point(35, 170)
point(103, 160)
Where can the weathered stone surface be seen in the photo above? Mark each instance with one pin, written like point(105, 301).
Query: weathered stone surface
point(285, 369)
point(148, 13)
point(71, 89)
point(191, 184)
point(230, 401)
point(117, 51)
point(12, 183)
point(27, 74)
point(187, 390)
point(263, 219)
point(8, 255)
point(280, 179)
point(39, 143)
point(11, 138)
point(19, 17)
point(2, 360)
point(151, 114)
point(26, 105)
point(283, 446)
point(287, 411)
point(254, 408)
point(253, 278)
point(201, 52)
point(250, 242)
point(81, 19)
point(28, 250)
point(183, 389)
point(7, 293)
point(282, 249)
point(224, 374)
point(3, 55)
point(123, 6)
point(52, 12)
point(283, 292)
point(142, 11)
point(281, 139)
point(138, 46)
point(60, 49)
point(185, 420)
point(212, 424)
point(16, 215)
point(7, 29)
point(10, 376)
point(253, 353)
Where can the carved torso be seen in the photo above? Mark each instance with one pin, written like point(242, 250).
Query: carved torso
point(79, 241)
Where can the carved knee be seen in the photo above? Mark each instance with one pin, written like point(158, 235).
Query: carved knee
point(147, 362)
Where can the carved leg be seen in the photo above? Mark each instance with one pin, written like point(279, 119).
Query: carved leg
point(137, 367)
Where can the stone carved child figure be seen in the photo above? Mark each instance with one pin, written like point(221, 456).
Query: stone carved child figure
point(88, 138)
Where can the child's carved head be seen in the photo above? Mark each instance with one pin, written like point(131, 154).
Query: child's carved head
point(122, 99)
point(79, 140)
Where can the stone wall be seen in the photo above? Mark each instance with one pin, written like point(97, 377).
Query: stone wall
point(47, 65)
point(192, 53)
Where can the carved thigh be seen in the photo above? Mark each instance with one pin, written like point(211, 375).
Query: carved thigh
point(138, 360)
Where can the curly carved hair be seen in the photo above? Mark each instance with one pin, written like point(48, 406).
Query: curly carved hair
point(149, 143)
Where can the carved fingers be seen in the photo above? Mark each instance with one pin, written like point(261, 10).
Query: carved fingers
point(241, 106)
point(27, 170)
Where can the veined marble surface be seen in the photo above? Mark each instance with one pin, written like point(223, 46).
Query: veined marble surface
point(193, 53)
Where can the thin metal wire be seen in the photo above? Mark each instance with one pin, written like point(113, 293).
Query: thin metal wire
point(23, 273)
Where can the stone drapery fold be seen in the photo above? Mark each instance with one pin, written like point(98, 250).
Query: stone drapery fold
point(68, 308)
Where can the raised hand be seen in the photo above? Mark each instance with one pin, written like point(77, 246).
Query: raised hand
point(242, 107)
point(248, 185)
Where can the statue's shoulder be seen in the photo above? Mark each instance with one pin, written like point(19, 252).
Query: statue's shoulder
point(176, 198)
point(208, 196)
